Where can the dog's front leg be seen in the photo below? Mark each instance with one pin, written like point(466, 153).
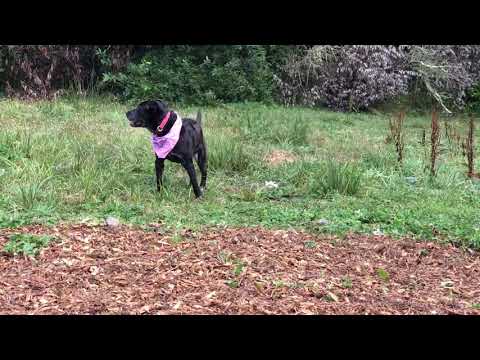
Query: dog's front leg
point(188, 165)
point(159, 166)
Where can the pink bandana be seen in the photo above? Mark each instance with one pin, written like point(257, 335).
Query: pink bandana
point(163, 145)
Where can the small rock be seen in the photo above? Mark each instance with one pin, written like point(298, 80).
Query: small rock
point(448, 284)
point(412, 180)
point(378, 232)
point(94, 270)
point(112, 222)
point(323, 222)
point(271, 185)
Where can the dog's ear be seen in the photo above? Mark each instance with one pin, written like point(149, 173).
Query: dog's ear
point(149, 106)
point(162, 106)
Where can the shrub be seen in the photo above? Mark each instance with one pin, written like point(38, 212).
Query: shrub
point(473, 99)
point(445, 72)
point(346, 78)
point(44, 71)
point(352, 78)
point(201, 74)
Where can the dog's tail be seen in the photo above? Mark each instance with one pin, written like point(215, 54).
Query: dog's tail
point(199, 118)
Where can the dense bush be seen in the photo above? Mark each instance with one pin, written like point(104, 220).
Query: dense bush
point(345, 77)
point(473, 99)
point(197, 74)
point(43, 71)
point(356, 77)
point(446, 72)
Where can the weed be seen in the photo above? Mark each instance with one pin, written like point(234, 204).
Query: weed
point(278, 283)
point(383, 274)
point(239, 267)
point(26, 244)
point(435, 143)
point(177, 238)
point(397, 135)
point(347, 282)
point(224, 257)
point(232, 283)
point(310, 244)
point(470, 148)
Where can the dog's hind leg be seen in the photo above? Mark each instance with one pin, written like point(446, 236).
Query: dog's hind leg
point(159, 166)
point(202, 164)
point(188, 165)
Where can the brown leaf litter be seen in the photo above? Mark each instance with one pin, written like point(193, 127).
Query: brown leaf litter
point(101, 270)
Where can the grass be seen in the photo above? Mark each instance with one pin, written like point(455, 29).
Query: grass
point(76, 159)
point(344, 179)
point(383, 275)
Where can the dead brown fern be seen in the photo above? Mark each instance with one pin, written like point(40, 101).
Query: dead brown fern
point(423, 139)
point(44, 71)
point(435, 143)
point(397, 135)
point(470, 148)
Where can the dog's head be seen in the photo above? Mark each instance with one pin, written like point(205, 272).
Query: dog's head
point(148, 114)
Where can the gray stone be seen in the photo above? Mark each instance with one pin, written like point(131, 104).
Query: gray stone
point(412, 180)
point(112, 222)
point(323, 222)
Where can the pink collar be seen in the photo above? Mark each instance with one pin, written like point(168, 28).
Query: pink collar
point(162, 146)
point(164, 122)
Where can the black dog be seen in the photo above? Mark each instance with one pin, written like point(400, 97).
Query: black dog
point(159, 120)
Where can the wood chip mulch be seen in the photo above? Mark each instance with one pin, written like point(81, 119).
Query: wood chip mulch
point(102, 270)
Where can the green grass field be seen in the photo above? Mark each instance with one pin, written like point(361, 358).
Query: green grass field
point(76, 159)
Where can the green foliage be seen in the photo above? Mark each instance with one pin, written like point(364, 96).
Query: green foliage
point(473, 103)
point(197, 75)
point(26, 244)
point(383, 275)
point(232, 283)
point(347, 283)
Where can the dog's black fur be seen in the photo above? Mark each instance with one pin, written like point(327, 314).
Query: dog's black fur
point(191, 143)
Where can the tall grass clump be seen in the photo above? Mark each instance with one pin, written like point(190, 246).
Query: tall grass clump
point(381, 161)
point(227, 154)
point(344, 179)
point(31, 193)
point(274, 128)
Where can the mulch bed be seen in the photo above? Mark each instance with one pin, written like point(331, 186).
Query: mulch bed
point(123, 270)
